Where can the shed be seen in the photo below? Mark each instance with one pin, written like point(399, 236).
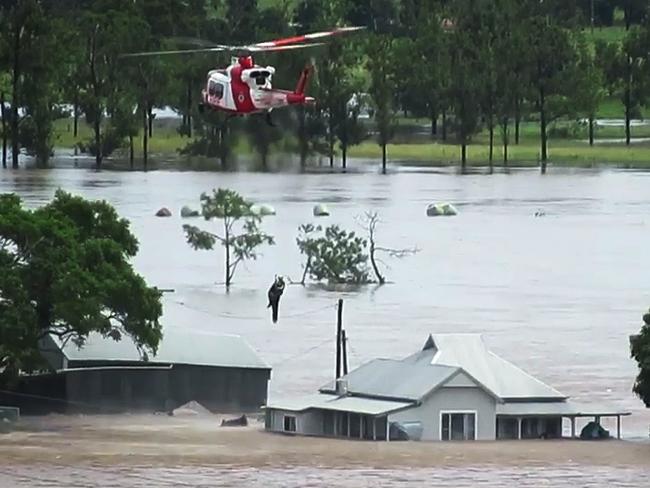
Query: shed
point(222, 372)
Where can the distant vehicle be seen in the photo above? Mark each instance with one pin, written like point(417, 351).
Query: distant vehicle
point(245, 88)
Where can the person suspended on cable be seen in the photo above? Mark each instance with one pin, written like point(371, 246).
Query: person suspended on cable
point(275, 292)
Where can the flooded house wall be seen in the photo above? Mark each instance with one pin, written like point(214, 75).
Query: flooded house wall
point(221, 390)
point(452, 399)
point(122, 389)
point(309, 422)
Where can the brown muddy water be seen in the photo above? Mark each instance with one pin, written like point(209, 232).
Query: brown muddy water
point(558, 295)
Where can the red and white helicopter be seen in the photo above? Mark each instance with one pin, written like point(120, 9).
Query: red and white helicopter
point(244, 87)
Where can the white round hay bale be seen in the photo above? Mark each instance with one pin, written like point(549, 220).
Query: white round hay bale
point(321, 210)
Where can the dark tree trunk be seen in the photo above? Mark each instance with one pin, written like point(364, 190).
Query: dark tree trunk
point(75, 114)
point(444, 125)
point(628, 101)
point(380, 278)
point(542, 126)
point(344, 156)
point(517, 119)
point(227, 246)
point(491, 152)
point(434, 123)
point(463, 157)
point(189, 108)
point(15, 98)
point(504, 129)
point(330, 142)
point(591, 130)
point(150, 119)
point(3, 114)
point(98, 107)
point(131, 151)
point(98, 143)
point(265, 158)
point(145, 139)
point(383, 158)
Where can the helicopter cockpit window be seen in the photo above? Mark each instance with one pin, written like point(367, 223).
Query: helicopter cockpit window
point(260, 77)
point(215, 89)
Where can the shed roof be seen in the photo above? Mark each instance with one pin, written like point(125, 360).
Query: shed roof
point(324, 401)
point(468, 351)
point(181, 347)
point(387, 378)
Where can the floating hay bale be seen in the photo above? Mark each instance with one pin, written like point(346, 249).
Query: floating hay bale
point(187, 212)
point(262, 210)
point(164, 212)
point(321, 210)
point(441, 210)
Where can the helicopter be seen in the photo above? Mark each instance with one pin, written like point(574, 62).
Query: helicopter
point(245, 88)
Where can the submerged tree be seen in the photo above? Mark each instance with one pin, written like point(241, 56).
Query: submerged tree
point(640, 348)
point(65, 272)
point(241, 233)
point(335, 256)
point(369, 222)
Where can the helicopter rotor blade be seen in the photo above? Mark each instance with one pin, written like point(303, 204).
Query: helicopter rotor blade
point(165, 53)
point(259, 49)
point(306, 37)
point(287, 43)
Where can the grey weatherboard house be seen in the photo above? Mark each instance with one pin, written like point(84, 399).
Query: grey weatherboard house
point(452, 389)
point(222, 372)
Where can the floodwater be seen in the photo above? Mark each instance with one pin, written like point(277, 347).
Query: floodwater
point(224, 476)
point(558, 295)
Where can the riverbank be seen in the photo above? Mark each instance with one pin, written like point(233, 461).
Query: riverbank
point(412, 147)
point(185, 441)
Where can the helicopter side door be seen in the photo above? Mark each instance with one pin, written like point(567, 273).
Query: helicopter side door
point(219, 92)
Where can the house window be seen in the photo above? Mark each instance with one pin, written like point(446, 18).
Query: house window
point(289, 423)
point(458, 426)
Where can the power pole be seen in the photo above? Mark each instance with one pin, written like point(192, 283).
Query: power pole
point(339, 335)
point(344, 341)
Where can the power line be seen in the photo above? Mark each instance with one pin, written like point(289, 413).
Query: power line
point(300, 354)
point(243, 317)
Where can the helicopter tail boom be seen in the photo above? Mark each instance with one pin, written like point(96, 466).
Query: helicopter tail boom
point(302, 81)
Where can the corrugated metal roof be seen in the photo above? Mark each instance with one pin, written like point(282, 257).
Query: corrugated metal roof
point(468, 351)
point(181, 347)
point(323, 401)
point(387, 378)
point(568, 409)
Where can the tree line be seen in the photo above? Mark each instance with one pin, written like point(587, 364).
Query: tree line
point(466, 65)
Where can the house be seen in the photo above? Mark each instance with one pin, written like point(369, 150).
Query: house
point(222, 372)
point(454, 388)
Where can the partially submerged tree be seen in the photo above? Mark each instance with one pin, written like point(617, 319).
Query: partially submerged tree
point(640, 348)
point(370, 221)
point(335, 256)
point(65, 271)
point(307, 246)
point(241, 233)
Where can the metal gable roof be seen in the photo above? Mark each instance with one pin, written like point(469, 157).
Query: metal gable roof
point(176, 347)
point(323, 401)
point(468, 351)
point(386, 378)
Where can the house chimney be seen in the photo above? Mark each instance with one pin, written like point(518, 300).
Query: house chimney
point(341, 387)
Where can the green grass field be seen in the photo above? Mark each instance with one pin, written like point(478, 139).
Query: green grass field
point(562, 151)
